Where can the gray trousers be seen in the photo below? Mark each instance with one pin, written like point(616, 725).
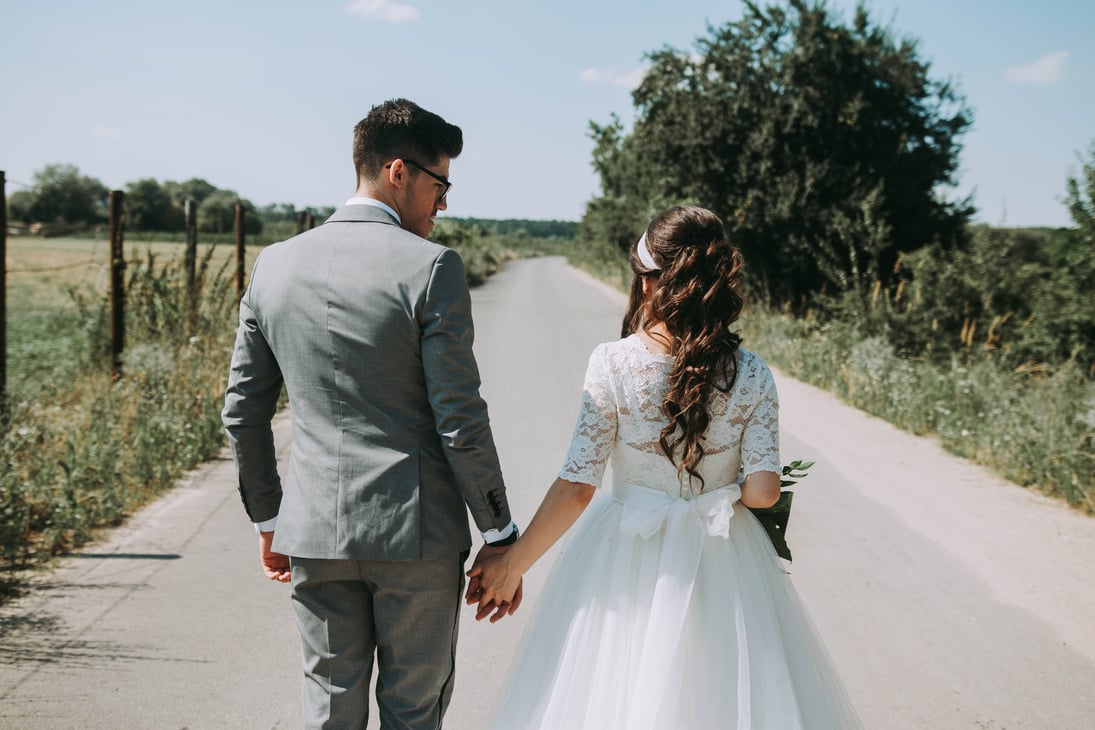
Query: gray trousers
point(405, 613)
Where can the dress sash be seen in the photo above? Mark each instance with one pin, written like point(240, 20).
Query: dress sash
point(647, 510)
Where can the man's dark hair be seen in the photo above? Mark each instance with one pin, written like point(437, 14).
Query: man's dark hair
point(401, 129)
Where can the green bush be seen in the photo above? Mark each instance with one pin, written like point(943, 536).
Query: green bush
point(1036, 428)
point(83, 456)
point(1016, 297)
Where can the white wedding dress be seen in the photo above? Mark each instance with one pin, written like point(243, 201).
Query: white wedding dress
point(668, 610)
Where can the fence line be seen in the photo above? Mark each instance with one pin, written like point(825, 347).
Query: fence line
point(117, 295)
point(190, 213)
point(3, 293)
point(241, 252)
point(117, 284)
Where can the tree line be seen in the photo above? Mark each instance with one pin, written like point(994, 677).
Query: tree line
point(830, 151)
point(61, 201)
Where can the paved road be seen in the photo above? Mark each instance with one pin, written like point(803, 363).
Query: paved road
point(949, 598)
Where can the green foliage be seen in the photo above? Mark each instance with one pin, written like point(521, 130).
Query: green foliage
point(480, 256)
point(791, 473)
point(20, 204)
point(149, 207)
point(69, 203)
point(821, 145)
point(217, 213)
point(81, 457)
point(1019, 298)
point(62, 198)
point(553, 229)
point(1035, 429)
point(1081, 200)
point(632, 191)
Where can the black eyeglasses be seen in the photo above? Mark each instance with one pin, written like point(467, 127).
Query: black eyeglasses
point(439, 178)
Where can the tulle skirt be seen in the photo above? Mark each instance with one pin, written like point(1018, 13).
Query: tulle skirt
point(670, 614)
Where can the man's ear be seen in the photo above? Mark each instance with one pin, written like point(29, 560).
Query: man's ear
point(397, 173)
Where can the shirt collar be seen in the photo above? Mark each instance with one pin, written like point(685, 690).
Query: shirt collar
point(376, 204)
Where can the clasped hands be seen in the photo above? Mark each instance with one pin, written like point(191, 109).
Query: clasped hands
point(494, 584)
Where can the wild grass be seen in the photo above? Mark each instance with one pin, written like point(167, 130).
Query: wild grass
point(78, 451)
point(58, 293)
point(1035, 427)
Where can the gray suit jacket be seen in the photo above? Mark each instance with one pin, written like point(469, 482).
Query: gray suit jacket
point(369, 327)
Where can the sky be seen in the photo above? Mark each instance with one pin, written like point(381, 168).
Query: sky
point(262, 97)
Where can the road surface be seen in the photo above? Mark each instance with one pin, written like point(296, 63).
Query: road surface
point(948, 597)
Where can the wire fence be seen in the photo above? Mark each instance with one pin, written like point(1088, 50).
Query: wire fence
point(109, 270)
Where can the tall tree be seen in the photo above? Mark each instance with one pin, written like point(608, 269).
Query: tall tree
point(149, 207)
point(61, 195)
point(1081, 199)
point(825, 147)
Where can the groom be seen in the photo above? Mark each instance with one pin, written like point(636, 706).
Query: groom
point(368, 326)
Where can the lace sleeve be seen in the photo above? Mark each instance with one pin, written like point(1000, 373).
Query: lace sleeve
point(595, 431)
point(760, 439)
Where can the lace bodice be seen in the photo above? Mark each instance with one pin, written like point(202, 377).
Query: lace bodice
point(621, 418)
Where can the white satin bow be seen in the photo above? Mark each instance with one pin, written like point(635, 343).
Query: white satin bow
point(646, 510)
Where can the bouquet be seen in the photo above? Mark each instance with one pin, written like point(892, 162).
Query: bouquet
point(774, 519)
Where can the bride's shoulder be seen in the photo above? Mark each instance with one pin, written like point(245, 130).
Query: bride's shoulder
point(750, 358)
point(752, 367)
point(616, 354)
point(615, 347)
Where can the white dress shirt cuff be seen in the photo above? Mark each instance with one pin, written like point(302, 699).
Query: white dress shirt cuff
point(495, 535)
point(267, 525)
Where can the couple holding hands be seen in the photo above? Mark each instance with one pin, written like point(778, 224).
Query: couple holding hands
point(668, 608)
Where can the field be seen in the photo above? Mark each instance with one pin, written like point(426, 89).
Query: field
point(78, 451)
point(57, 288)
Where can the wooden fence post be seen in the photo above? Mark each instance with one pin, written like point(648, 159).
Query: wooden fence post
point(311, 221)
point(190, 211)
point(241, 253)
point(3, 294)
point(302, 221)
point(117, 284)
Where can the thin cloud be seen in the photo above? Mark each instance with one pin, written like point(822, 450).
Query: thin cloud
point(1049, 69)
point(611, 77)
point(386, 10)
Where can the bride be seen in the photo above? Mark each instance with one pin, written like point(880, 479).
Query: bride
point(668, 607)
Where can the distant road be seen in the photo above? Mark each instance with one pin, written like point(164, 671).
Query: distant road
point(948, 597)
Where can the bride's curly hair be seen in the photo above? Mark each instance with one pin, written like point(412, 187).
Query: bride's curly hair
point(697, 296)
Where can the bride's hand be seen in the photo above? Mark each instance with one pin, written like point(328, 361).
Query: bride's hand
point(499, 588)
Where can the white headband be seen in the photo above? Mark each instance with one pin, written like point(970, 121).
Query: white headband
point(644, 254)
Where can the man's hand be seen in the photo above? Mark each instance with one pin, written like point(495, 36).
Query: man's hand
point(275, 566)
point(494, 585)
